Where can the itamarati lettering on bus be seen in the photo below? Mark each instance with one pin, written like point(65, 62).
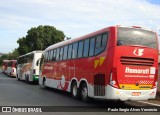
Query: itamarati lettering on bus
point(150, 70)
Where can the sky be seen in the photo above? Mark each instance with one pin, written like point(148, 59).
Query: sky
point(74, 17)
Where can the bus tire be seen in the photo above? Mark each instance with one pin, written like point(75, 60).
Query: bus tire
point(84, 93)
point(74, 90)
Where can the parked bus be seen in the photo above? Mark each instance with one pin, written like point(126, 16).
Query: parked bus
point(26, 67)
point(11, 68)
point(4, 65)
point(118, 63)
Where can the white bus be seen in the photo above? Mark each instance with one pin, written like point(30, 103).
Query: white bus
point(26, 66)
point(11, 68)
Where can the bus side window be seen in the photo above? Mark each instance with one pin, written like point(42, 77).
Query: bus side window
point(92, 45)
point(61, 54)
point(75, 47)
point(86, 48)
point(65, 52)
point(98, 41)
point(57, 54)
point(51, 55)
point(101, 42)
point(70, 51)
point(54, 55)
point(46, 55)
point(31, 56)
point(98, 44)
point(80, 49)
point(104, 40)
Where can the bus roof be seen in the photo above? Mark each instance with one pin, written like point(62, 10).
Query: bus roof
point(63, 43)
point(38, 51)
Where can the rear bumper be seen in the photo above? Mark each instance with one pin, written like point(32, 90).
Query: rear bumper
point(114, 93)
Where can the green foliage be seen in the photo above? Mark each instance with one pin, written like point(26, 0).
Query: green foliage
point(39, 38)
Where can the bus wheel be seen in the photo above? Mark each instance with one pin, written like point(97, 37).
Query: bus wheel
point(84, 93)
point(74, 90)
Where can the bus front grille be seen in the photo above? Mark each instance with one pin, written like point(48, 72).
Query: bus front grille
point(134, 61)
point(99, 85)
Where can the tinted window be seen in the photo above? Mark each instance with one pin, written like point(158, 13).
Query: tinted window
point(75, 47)
point(57, 54)
point(61, 53)
point(134, 36)
point(104, 40)
point(101, 41)
point(70, 51)
point(54, 55)
point(98, 41)
point(80, 49)
point(86, 48)
point(65, 52)
point(92, 45)
point(51, 55)
point(46, 56)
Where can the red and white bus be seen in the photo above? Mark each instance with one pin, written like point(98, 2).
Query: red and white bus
point(119, 63)
point(26, 66)
point(11, 69)
point(4, 65)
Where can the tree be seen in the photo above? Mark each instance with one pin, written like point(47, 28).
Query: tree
point(13, 55)
point(23, 48)
point(39, 38)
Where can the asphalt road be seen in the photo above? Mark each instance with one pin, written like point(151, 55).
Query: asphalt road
point(19, 93)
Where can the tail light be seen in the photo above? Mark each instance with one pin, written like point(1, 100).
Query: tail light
point(34, 71)
point(113, 79)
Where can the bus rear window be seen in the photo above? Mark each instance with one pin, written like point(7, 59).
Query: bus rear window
point(134, 36)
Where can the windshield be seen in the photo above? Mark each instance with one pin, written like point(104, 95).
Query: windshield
point(134, 36)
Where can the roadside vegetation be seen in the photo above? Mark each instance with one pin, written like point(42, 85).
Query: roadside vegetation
point(37, 38)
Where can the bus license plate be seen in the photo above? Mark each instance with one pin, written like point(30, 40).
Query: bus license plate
point(136, 93)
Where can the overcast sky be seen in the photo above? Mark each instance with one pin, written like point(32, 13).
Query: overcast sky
point(74, 17)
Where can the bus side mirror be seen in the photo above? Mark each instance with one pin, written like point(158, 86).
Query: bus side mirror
point(37, 63)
